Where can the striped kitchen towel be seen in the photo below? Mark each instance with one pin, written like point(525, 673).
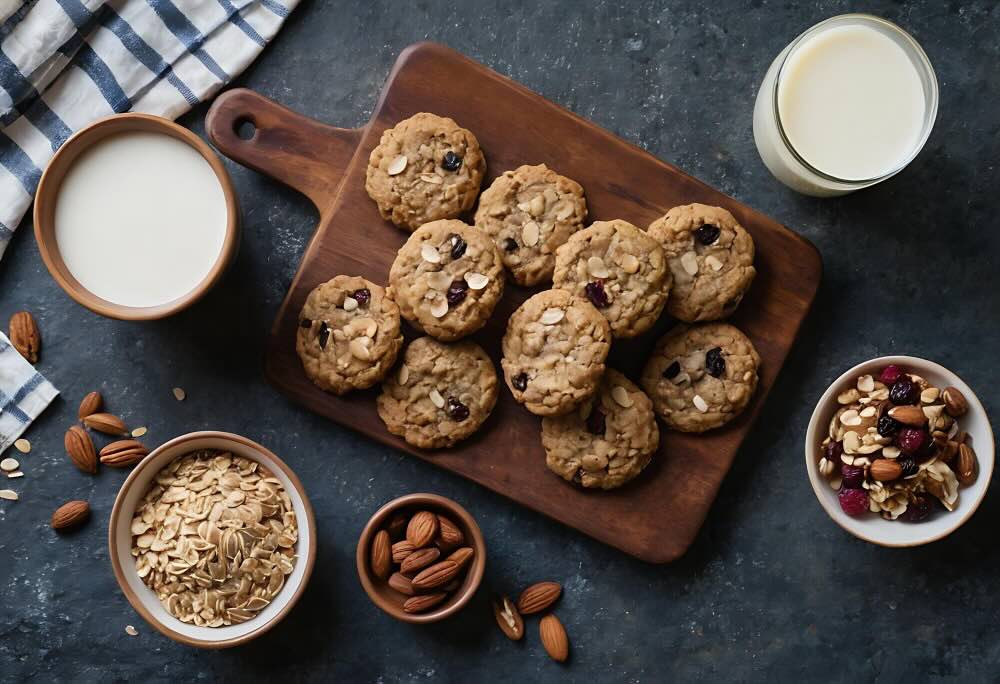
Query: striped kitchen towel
point(65, 63)
point(24, 393)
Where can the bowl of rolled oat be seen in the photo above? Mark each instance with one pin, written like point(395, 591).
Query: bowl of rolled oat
point(212, 539)
point(899, 451)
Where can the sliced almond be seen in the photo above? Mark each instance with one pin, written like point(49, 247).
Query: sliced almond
point(537, 205)
point(131, 631)
point(9, 464)
point(552, 316)
point(596, 267)
point(852, 442)
point(8, 494)
point(866, 383)
point(139, 431)
point(439, 308)
point(630, 264)
point(850, 418)
point(179, 394)
point(564, 211)
point(476, 281)
point(868, 412)
point(397, 165)
point(358, 349)
point(436, 398)
point(22, 445)
point(404, 375)
point(529, 233)
point(429, 253)
point(16, 473)
point(350, 303)
point(371, 327)
point(689, 262)
point(621, 397)
point(713, 263)
point(439, 280)
point(700, 403)
point(431, 178)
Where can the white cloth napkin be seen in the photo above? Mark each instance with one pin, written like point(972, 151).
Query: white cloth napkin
point(24, 393)
point(65, 63)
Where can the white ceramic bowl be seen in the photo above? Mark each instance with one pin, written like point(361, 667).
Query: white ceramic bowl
point(144, 600)
point(872, 527)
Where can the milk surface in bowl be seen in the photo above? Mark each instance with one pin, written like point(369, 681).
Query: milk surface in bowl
point(140, 219)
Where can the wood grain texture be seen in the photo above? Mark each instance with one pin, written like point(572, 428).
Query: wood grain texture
point(654, 518)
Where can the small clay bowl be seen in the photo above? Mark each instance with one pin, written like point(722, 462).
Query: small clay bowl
point(871, 526)
point(142, 597)
point(45, 209)
point(390, 600)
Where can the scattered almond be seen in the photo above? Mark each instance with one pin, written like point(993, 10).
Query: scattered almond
point(131, 631)
point(538, 597)
point(510, 621)
point(70, 514)
point(80, 449)
point(8, 494)
point(92, 403)
point(139, 432)
point(105, 422)
point(24, 336)
point(179, 394)
point(22, 445)
point(553, 637)
point(9, 464)
point(124, 453)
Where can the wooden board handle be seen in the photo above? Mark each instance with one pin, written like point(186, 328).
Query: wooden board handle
point(294, 149)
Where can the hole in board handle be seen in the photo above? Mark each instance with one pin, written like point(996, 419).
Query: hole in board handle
point(245, 129)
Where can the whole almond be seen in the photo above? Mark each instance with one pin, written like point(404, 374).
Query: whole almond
point(397, 527)
point(908, 415)
point(885, 470)
point(509, 620)
point(418, 604)
point(422, 529)
point(70, 514)
point(81, 449)
point(401, 584)
point(92, 403)
point(954, 402)
point(400, 550)
point(381, 555)
point(947, 452)
point(967, 465)
point(461, 556)
point(435, 575)
point(24, 336)
point(124, 453)
point(538, 597)
point(554, 639)
point(449, 536)
point(418, 560)
point(106, 423)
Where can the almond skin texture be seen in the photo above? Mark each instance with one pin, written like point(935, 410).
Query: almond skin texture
point(462, 556)
point(418, 560)
point(70, 515)
point(954, 402)
point(422, 529)
point(908, 415)
point(400, 550)
point(401, 584)
point(381, 555)
point(124, 453)
point(106, 423)
point(538, 597)
point(418, 604)
point(435, 575)
point(92, 403)
point(885, 470)
point(81, 449)
point(508, 619)
point(24, 336)
point(968, 466)
point(449, 536)
point(554, 638)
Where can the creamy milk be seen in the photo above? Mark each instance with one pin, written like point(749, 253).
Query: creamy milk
point(851, 102)
point(140, 219)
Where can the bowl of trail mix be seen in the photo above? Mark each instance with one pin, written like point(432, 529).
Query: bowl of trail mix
point(899, 451)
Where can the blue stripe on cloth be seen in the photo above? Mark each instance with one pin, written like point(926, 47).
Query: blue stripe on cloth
point(275, 8)
point(14, 82)
point(103, 78)
point(15, 160)
point(235, 18)
point(48, 122)
point(13, 20)
point(76, 11)
point(9, 406)
point(147, 56)
point(187, 33)
point(5, 234)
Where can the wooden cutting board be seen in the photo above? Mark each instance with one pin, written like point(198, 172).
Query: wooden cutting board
point(657, 516)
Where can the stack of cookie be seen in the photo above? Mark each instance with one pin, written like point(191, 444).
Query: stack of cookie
point(610, 280)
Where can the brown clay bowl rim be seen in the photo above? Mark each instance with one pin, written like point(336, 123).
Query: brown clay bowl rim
point(48, 190)
point(309, 557)
point(435, 503)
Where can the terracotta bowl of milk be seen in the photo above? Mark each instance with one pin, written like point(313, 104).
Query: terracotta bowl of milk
point(136, 217)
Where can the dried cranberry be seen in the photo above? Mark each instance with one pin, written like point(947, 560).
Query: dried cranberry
point(456, 293)
point(363, 296)
point(917, 510)
point(908, 465)
point(595, 421)
point(596, 294)
point(451, 161)
point(853, 476)
point(672, 370)
point(520, 382)
point(888, 426)
point(715, 364)
point(458, 246)
point(911, 440)
point(904, 392)
point(833, 451)
point(510, 245)
point(324, 335)
point(457, 410)
point(305, 323)
point(854, 502)
point(707, 234)
point(890, 374)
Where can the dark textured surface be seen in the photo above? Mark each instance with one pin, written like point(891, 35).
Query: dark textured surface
point(771, 590)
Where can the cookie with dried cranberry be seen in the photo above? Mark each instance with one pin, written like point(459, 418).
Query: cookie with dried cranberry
point(620, 269)
point(348, 335)
point(446, 279)
point(711, 257)
point(441, 394)
point(529, 212)
point(554, 352)
point(608, 440)
point(425, 168)
point(701, 376)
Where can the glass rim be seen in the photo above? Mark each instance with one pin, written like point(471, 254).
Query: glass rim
point(930, 98)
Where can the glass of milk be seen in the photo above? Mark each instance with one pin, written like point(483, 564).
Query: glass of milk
point(847, 104)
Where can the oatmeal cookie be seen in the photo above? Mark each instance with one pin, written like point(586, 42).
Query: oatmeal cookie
point(701, 376)
point(608, 440)
point(348, 335)
point(554, 352)
point(529, 212)
point(620, 269)
point(424, 168)
point(711, 257)
point(446, 279)
point(440, 395)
